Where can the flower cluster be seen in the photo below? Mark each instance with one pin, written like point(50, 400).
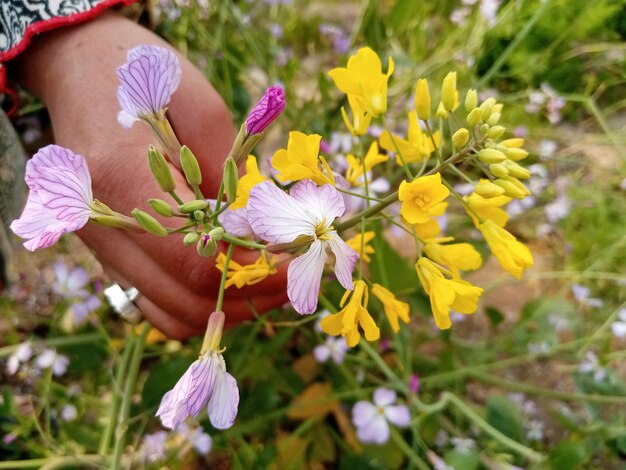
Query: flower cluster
point(318, 212)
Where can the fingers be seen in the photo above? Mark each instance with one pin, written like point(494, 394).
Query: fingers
point(164, 291)
point(158, 318)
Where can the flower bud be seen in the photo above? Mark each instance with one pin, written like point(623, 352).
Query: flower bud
point(496, 132)
point(474, 117)
point(214, 332)
point(193, 206)
point(206, 246)
point(441, 112)
point(217, 233)
point(191, 168)
point(161, 207)
point(161, 170)
point(485, 108)
point(266, 110)
point(499, 170)
point(517, 171)
point(199, 215)
point(515, 142)
point(484, 128)
point(516, 154)
point(149, 223)
point(471, 100)
point(488, 190)
point(491, 156)
point(230, 179)
point(460, 137)
point(191, 238)
point(513, 187)
point(494, 119)
point(497, 108)
point(422, 99)
point(449, 93)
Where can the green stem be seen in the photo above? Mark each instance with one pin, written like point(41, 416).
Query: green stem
point(415, 459)
point(239, 242)
point(129, 386)
point(527, 452)
point(503, 57)
point(531, 390)
point(218, 203)
point(115, 401)
point(220, 295)
point(53, 462)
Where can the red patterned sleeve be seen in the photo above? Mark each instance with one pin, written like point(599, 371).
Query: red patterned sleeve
point(20, 20)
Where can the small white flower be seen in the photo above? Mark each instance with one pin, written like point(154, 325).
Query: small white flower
point(68, 413)
point(50, 359)
point(333, 348)
point(22, 354)
point(463, 446)
point(618, 327)
point(372, 419)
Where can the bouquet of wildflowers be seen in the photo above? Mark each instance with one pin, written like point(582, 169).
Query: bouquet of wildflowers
point(318, 212)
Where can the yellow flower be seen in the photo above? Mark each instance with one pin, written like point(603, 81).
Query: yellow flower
point(455, 256)
point(428, 229)
point(487, 208)
point(420, 196)
point(245, 275)
point(364, 81)
point(252, 177)
point(446, 293)
point(512, 255)
point(394, 308)
point(301, 160)
point(355, 243)
point(360, 116)
point(346, 323)
point(416, 147)
point(355, 167)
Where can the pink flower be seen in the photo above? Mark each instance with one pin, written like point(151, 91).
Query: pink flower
point(333, 348)
point(372, 419)
point(60, 198)
point(205, 383)
point(308, 211)
point(148, 79)
point(266, 110)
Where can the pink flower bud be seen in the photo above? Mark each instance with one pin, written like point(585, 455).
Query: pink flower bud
point(266, 110)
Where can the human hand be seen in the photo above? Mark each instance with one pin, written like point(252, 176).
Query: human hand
point(73, 71)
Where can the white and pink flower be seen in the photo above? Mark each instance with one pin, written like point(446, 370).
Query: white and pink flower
point(60, 198)
point(148, 79)
point(372, 419)
point(307, 212)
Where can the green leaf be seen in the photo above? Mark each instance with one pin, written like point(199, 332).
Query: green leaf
point(462, 460)
point(567, 455)
point(505, 415)
point(495, 316)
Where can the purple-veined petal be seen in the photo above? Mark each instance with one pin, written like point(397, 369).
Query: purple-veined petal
point(398, 415)
point(384, 397)
point(323, 203)
point(304, 276)
point(190, 394)
point(39, 226)
point(376, 431)
point(147, 81)
point(55, 156)
point(266, 110)
point(277, 217)
point(125, 119)
point(168, 58)
point(362, 413)
point(345, 258)
point(236, 222)
point(224, 400)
